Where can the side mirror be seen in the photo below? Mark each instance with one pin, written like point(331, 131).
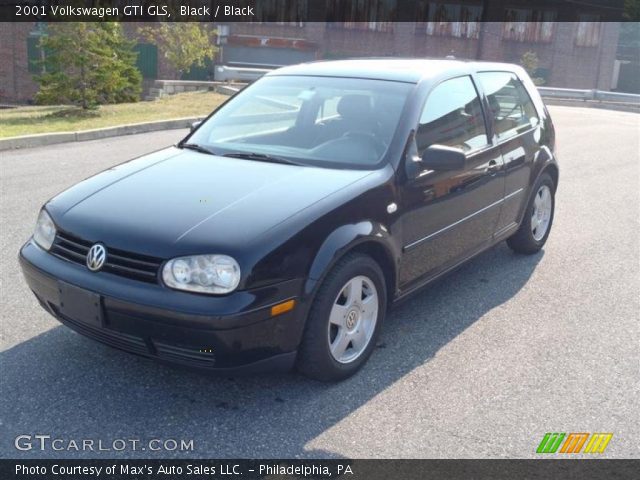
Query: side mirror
point(441, 157)
point(195, 125)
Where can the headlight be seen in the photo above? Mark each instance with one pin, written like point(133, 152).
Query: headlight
point(202, 273)
point(45, 231)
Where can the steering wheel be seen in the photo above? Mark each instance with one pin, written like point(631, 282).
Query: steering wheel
point(379, 145)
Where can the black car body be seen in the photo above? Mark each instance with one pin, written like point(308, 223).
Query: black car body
point(439, 191)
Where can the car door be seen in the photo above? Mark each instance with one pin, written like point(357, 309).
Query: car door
point(516, 127)
point(449, 215)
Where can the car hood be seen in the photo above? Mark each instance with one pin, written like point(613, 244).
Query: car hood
point(176, 201)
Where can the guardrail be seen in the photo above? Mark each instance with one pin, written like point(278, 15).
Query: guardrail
point(585, 95)
point(225, 73)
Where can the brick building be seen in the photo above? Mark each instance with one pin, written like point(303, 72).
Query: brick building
point(576, 54)
point(571, 54)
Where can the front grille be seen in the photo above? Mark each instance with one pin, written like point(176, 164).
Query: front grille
point(119, 262)
point(112, 338)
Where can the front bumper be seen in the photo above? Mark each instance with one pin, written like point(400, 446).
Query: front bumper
point(230, 333)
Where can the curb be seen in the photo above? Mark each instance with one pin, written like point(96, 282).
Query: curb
point(44, 139)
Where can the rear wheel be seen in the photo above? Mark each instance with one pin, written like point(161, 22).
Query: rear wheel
point(344, 320)
point(536, 224)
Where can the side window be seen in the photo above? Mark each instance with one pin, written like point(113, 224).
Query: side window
point(510, 105)
point(452, 116)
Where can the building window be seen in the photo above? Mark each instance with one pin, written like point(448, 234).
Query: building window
point(35, 53)
point(147, 60)
point(280, 12)
point(528, 25)
point(379, 14)
point(589, 27)
point(448, 19)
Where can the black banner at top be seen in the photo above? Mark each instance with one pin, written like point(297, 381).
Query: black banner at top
point(297, 12)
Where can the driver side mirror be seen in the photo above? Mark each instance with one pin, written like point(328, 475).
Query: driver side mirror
point(195, 125)
point(443, 158)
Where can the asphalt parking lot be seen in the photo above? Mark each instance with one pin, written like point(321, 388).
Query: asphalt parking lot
point(481, 364)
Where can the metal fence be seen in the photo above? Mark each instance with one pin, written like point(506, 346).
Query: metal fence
point(594, 95)
point(225, 73)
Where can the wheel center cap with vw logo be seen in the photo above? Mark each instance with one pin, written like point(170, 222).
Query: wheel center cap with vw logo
point(96, 256)
point(352, 319)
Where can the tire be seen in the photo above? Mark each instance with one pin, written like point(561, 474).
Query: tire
point(342, 329)
point(538, 218)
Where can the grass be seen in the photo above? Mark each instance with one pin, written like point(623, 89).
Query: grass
point(45, 119)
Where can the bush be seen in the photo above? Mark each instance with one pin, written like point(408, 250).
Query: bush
point(529, 62)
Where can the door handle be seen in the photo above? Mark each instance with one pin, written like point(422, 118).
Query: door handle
point(492, 168)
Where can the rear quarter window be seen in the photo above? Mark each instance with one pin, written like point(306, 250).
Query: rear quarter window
point(510, 105)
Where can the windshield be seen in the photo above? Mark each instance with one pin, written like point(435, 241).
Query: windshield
point(324, 121)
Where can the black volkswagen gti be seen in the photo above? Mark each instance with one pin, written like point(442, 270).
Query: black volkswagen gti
point(281, 228)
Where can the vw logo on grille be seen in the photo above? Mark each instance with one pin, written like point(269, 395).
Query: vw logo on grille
point(96, 257)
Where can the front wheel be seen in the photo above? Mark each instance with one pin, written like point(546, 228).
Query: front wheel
point(538, 217)
point(344, 320)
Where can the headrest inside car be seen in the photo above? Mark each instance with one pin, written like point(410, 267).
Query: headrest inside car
point(354, 106)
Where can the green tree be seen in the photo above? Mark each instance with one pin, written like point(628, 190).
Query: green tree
point(629, 39)
point(185, 44)
point(631, 10)
point(88, 64)
point(129, 85)
point(530, 62)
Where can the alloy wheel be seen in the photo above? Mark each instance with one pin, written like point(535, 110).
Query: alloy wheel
point(541, 216)
point(353, 318)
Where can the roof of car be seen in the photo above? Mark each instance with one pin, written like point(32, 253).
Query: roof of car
point(396, 69)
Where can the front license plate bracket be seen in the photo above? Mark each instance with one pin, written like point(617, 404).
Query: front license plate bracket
point(80, 304)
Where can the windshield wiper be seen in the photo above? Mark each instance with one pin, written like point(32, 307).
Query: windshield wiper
point(197, 148)
point(260, 157)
